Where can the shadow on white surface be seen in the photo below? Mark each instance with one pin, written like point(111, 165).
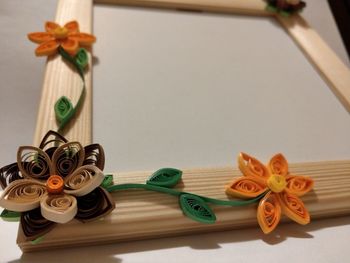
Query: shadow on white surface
point(205, 242)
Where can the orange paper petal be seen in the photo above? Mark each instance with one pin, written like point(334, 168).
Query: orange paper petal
point(47, 48)
point(83, 38)
point(299, 185)
point(269, 212)
point(51, 26)
point(40, 37)
point(70, 45)
point(245, 187)
point(294, 208)
point(72, 26)
point(250, 166)
point(278, 165)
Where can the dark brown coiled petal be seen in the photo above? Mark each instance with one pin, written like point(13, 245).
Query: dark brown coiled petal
point(94, 155)
point(34, 224)
point(94, 205)
point(8, 174)
point(68, 158)
point(34, 163)
point(52, 139)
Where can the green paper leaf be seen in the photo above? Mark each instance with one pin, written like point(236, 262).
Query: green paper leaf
point(107, 181)
point(10, 216)
point(81, 58)
point(63, 109)
point(271, 8)
point(195, 208)
point(166, 177)
point(285, 13)
point(37, 240)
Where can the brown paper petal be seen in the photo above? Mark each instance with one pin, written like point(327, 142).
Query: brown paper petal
point(83, 180)
point(94, 155)
point(269, 212)
point(52, 139)
point(278, 165)
point(250, 166)
point(245, 187)
point(67, 158)
point(60, 208)
point(8, 174)
point(22, 195)
point(299, 185)
point(34, 163)
point(294, 208)
point(34, 224)
point(94, 205)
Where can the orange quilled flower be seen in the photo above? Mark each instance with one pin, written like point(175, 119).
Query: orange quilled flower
point(282, 190)
point(67, 37)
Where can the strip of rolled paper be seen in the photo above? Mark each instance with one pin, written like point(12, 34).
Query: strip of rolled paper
point(269, 212)
point(34, 225)
point(83, 180)
point(299, 185)
point(34, 163)
point(59, 208)
point(84, 39)
point(72, 26)
point(8, 174)
point(94, 205)
point(294, 208)
point(67, 158)
point(94, 155)
point(23, 195)
point(52, 139)
point(250, 166)
point(47, 48)
point(40, 37)
point(278, 165)
point(246, 187)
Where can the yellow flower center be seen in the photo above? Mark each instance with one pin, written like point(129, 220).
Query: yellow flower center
point(276, 183)
point(54, 184)
point(60, 32)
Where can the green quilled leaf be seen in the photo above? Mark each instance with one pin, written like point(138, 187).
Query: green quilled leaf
point(81, 58)
point(10, 216)
point(63, 109)
point(107, 181)
point(166, 177)
point(195, 208)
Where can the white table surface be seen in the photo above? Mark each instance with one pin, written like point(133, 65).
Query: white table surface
point(21, 74)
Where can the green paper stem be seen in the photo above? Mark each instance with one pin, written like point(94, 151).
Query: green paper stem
point(63, 107)
point(174, 192)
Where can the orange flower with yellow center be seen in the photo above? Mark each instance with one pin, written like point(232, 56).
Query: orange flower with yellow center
point(67, 37)
point(282, 190)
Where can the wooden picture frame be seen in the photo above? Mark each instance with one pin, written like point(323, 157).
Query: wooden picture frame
point(327, 199)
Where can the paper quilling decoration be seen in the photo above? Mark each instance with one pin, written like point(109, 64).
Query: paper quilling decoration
point(285, 7)
point(60, 181)
point(55, 184)
point(67, 41)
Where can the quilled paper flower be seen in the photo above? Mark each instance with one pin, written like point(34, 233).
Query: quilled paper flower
point(55, 183)
point(67, 37)
point(290, 6)
point(282, 190)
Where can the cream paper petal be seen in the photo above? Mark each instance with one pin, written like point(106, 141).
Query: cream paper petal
point(83, 180)
point(22, 195)
point(59, 208)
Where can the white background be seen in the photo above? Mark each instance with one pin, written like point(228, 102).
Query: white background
point(320, 123)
